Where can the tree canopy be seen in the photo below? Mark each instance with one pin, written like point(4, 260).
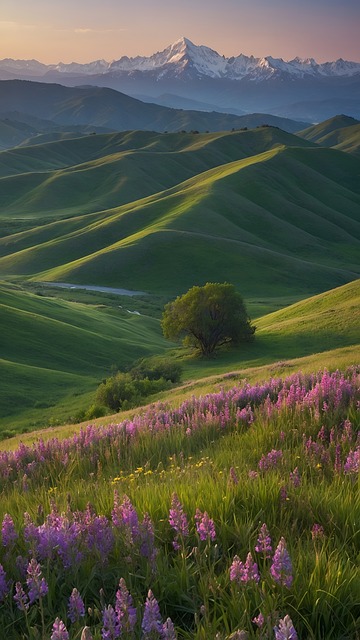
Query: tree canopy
point(207, 317)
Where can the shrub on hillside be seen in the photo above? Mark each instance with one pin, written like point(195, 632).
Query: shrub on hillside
point(123, 391)
point(156, 369)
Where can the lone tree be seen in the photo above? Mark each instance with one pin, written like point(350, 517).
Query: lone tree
point(207, 317)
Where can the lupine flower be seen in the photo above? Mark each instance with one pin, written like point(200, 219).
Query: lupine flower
point(59, 631)
point(270, 460)
point(35, 581)
point(233, 476)
point(281, 568)
point(295, 477)
point(337, 462)
point(168, 632)
point(8, 533)
point(285, 630)
point(76, 608)
point(4, 585)
point(178, 520)
point(151, 621)
point(125, 516)
point(352, 463)
point(264, 544)
point(317, 531)
point(259, 620)
point(204, 525)
point(240, 572)
point(147, 540)
point(125, 611)
point(86, 634)
point(20, 597)
point(110, 629)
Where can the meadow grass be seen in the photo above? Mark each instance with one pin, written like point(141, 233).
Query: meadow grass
point(217, 454)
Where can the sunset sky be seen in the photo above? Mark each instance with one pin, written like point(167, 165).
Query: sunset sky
point(86, 30)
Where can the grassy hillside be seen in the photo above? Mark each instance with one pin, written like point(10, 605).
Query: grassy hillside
point(341, 132)
point(287, 218)
point(318, 131)
point(54, 351)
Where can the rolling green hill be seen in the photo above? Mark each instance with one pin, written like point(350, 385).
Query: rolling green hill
point(53, 351)
point(80, 176)
point(318, 131)
point(281, 222)
point(341, 132)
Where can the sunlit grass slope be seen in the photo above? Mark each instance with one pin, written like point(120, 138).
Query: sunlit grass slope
point(315, 327)
point(283, 222)
point(317, 132)
point(51, 349)
point(83, 175)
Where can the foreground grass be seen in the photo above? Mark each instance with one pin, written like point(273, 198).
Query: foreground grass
point(207, 451)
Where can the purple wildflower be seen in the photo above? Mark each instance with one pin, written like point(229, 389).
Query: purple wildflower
point(295, 477)
point(169, 632)
point(59, 631)
point(352, 463)
point(110, 629)
point(264, 545)
point(4, 585)
point(76, 609)
point(240, 572)
point(270, 460)
point(151, 621)
point(125, 611)
point(233, 479)
point(317, 531)
point(281, 568)
point(204, 525)
point(259, 620)
point(8, 532)
point(178, 520)
point(36, 583)
point(20, 597)
point(125, 517)
point(285, 630)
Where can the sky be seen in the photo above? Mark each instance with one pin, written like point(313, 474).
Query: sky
point(84, 30)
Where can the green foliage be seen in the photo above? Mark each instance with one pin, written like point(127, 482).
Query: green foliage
point(155, 368)
point(122, 391)
point(208, 317)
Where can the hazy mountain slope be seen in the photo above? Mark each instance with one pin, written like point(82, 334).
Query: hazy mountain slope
point(103, 107)
point(285, 221)
point(13, 133)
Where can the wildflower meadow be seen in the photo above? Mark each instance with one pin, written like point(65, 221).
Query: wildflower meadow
point(235, 515)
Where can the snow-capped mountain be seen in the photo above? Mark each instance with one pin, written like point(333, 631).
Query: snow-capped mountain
point(301, 89)
point(183, 58)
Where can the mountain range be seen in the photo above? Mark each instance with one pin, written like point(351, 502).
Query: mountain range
point(187, 71)
point(31, 108)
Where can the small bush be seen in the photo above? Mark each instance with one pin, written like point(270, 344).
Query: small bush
point(156, 369)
